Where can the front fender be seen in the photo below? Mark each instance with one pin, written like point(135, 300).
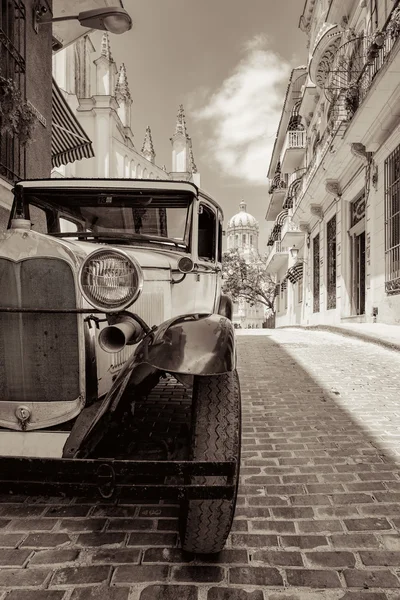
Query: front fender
point(192, 345)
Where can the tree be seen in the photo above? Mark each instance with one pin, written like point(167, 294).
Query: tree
point(247, 279)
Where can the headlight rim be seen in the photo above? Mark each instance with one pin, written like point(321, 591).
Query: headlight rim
point(130, 259)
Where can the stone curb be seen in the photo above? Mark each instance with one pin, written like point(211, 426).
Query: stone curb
point(364, 337)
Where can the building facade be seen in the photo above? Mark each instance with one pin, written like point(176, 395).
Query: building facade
point(27, 44)
point(25, 65)
point(334, 195)
point(242, 235)
point(97, 91)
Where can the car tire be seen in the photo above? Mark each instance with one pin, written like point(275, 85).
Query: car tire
point(215, 436)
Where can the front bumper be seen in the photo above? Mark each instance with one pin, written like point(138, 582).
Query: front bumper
point(116, 479)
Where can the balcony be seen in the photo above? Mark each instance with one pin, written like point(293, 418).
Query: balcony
point(277, 193)
point(293, 150)
point(277, 257)
point(291, 234)
point(294, 184)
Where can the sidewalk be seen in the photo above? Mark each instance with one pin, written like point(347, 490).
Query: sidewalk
point(384, 335)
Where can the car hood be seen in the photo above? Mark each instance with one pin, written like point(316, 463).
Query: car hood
point(18, 244)
point(148, 258)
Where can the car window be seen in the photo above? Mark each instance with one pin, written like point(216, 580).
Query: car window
point(207, 233)
point(154, 215)
point(220, 234)
point(67, 225)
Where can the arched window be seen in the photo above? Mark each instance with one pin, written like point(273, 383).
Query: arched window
point(126, 168)
point(133, 169)
point(251, 240)
point(145, 173)
point(139, 172)
point(243, 239)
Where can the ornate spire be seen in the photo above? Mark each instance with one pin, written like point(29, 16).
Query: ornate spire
point(164, 168)
point(148, 148)
point(192, 164)
point(180, 127)
point(122, 89)
point(242, 206)
point(105, 46)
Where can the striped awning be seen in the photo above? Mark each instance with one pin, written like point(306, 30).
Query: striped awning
point(293, 189)
point(279, 221)
point(295, 273)
point(69, 142)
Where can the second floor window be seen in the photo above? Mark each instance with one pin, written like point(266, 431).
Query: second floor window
point(392, 222)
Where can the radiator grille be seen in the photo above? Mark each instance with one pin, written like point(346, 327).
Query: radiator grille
point(150, 305)
point(39, 359)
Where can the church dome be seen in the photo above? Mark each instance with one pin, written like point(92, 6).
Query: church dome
point(243, 220)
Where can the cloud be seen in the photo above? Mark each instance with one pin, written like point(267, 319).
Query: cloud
point(242, 116)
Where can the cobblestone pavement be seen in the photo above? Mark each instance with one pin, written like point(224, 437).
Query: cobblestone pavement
point(318, 510)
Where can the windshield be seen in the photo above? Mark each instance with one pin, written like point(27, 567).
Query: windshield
point(147, 216)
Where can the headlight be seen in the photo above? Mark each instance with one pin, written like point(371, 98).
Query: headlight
point(110, 280)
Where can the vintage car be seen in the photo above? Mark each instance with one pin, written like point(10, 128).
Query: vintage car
point(106, 286)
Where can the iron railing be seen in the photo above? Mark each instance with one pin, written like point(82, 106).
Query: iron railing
point(331, 263)
point(316, 274)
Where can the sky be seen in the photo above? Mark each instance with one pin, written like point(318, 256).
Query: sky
point(228, 63)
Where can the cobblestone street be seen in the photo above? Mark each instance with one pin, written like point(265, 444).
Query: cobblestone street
point(318, 510)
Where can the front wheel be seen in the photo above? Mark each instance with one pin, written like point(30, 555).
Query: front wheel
point(216, 427)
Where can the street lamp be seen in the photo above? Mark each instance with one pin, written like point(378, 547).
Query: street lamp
point(294, 252)
point(110, 18)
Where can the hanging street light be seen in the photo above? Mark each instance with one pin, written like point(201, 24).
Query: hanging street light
point(110, 18)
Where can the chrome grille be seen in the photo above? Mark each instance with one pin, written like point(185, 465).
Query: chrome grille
point(39, 359)
point(150, 305)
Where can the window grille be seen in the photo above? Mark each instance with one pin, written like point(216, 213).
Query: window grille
point(392, 222)
point(316, 273)
point(12, 66)
point(331, 262)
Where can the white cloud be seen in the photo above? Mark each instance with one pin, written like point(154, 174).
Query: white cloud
point(243, 114)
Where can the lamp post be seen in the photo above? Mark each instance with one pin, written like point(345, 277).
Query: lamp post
point(110, 18)
point(294, 252)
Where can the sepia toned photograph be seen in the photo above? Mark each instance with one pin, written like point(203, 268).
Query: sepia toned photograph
point(200, 300)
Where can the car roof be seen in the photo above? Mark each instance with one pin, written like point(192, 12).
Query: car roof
point(146, 184)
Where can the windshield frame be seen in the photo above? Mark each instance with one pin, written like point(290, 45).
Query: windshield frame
point(39, 197)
